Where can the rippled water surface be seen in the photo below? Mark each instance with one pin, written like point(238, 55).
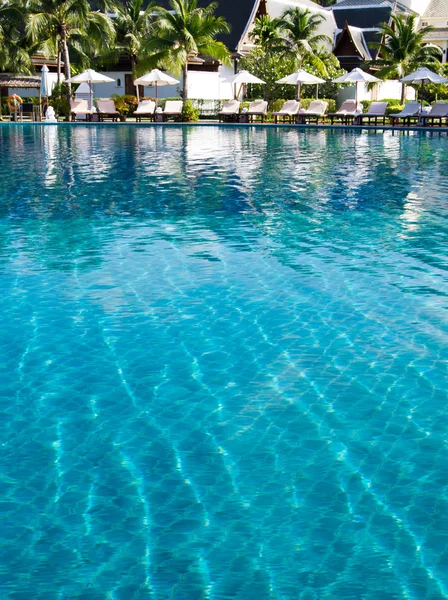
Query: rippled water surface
point(223, 364)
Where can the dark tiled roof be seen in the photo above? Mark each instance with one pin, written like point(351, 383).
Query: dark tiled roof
point(369, 37)
point(19, 81)
point(362, 17)
point(362, 3)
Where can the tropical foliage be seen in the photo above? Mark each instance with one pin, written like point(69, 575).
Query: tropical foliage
point(15, 49)
point(286, 44)
point(402, 49)
point(80, 35)
point(301, 40)
point(183, 33)
point(133, 23)
point(68, 29)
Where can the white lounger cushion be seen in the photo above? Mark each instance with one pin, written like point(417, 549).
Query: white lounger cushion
point(173, 107)
point(230, 107)
point(439, 109)
point(348, 107)
point(377, 108)
point(79, 107)
point(145, 107)
point(259, 107)
point(317, 107)
point(411, 109)
point(107, 106)
point(290, 107)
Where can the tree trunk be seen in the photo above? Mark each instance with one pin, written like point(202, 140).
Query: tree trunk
point(185, 81)
point(66, 59)
point(59, 66)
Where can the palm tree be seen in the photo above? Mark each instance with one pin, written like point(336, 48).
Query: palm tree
point(65, 27)
point(402, 49)
point(15, 49)
point(267, 33)
point(300, 37)
point(133, 26)
point(185, 31)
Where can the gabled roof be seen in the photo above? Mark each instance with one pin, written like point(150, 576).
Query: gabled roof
point(435, 9)
point(357, 36)
point(351, 42)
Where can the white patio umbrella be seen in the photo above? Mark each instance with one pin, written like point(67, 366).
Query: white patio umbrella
point(242, 78)
point(356, 76)
point(90, 76)
point(300, 78)
point(155, 77)
point(45, 85)
point(422, 76)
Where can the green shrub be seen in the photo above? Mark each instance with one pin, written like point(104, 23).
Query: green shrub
point(189, 112)
point(365, 105)
point(393, 108)
point(61, 106)
point(276, 105)
point(305, 103)
point(125, 104)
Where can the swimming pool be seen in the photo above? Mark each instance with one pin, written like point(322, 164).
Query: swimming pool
point(224, 360)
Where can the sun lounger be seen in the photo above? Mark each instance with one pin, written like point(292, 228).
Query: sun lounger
point(346, 112)
point(377, 110)
point(314, 113)
point(438, 111)
point(411, 111)
point(230, 110)
point(289, 110)
point(106, 109)
point(79, 108)
point(257, 108)
point(173, 108)
point(145, 108)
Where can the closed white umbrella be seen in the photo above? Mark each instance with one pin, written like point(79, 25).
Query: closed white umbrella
point(242, 78)
point(356, 76)
point(300, 78)
point(157, 78)
point(45, 85)
point(90, 76)
point(422, 76)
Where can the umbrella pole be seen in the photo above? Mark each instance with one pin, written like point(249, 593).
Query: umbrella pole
point(317, 91)
point(421, 97)
point(299, 91)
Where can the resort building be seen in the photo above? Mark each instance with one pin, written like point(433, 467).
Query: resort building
point(352, 25)
point(436, 15)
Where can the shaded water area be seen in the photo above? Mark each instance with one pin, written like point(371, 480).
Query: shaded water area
point(223, 364)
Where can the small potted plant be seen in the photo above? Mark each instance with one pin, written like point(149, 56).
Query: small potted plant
point(121, 105)
point(189, 112)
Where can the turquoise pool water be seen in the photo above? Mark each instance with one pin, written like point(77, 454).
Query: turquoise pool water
point(223, 364)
